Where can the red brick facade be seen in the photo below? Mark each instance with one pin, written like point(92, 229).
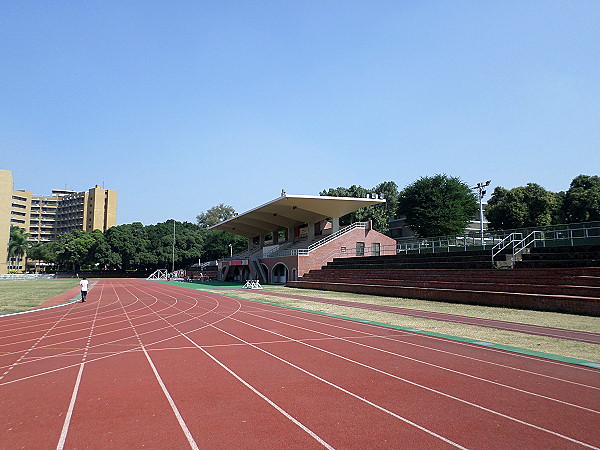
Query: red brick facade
point(344, 246)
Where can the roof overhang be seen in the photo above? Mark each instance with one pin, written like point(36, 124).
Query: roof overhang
point(289, 211)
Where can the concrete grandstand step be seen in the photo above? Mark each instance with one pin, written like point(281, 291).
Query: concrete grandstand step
point(543, 302)
point(560, 289)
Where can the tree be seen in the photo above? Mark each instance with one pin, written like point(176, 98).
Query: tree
point(77, 249)
point(44, 251)
point(131, 243)
point(581, 202)
point(379, 214)
point(521, 207)
point(17, 243)
point(217, 244)
point(189, 243)
point(215, 215)
point(437, 206)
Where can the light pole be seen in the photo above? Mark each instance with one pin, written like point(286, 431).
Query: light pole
point(480, 188)
point(173, 266)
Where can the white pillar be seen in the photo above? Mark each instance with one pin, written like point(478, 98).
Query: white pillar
point(335, 224)
point(311, 232)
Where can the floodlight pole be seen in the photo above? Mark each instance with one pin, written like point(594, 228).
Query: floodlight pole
point(480, 188)
point(173, 266)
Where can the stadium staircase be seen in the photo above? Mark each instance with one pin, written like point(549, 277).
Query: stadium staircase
point(548, 279)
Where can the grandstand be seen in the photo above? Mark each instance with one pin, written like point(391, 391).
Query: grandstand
point(297, 240)
point(293, 234)
point(544, 277)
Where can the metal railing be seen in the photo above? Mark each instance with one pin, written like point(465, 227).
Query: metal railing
point(556, 235)
point(508, 241)
point(528, 241)
point(385, 250)
point(319, 243)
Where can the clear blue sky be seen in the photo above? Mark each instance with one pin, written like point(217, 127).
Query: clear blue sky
point(182, 105)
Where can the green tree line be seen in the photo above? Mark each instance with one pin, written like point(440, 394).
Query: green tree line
point(136, 247)
point(444, 205)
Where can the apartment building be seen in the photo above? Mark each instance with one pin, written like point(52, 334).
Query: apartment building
point(46, 217)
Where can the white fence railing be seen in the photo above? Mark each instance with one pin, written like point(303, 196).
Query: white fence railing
point(319, 243)
point(556, 235)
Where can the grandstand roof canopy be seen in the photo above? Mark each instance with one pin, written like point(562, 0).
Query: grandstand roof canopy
point(290, 211)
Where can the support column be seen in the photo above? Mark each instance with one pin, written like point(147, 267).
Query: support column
point(311, 232)
point(335, 224)
point(290, 234)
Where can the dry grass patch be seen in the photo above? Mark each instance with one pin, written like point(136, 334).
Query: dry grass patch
point(541, 318)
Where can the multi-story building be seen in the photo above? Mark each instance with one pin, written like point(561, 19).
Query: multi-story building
point(45, 217)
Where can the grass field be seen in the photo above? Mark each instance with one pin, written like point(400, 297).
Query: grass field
point(20, 295)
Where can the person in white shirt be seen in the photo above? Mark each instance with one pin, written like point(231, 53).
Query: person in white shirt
point(84, 288)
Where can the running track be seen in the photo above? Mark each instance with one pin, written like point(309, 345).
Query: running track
point(144, 364)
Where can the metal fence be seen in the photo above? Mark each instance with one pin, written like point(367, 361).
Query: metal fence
point(556, 235)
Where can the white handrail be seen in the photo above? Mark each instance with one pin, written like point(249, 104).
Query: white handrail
point(527, 241)
point(507, 241)
point(315, 245)
point(340, 232)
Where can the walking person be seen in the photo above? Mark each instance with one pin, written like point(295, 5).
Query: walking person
point(84, 288)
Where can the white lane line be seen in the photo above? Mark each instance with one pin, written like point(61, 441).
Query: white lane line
point(441, 393)
point(425, 336)
point(67, 422)
point(264, 397)
point(33, 346)
point(495, 383)
point(320, 379)
point(178, 416)
point(352, 394)
point(69, 414)
point(434, 349)
point(245, 383)
point(29, 311)
point(67, 353)
point(522, 422)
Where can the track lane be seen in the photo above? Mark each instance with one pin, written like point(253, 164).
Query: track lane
point(319, 370)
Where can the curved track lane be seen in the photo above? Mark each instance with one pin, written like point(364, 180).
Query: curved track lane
point(146, 364)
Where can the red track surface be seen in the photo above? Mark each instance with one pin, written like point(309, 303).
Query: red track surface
point(143, 364)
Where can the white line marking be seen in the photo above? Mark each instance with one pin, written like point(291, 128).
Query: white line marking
point(245, 383)
point(418, 361)
point(182, 423)
point(352, 394)
point(67, 422)
point(406, 381)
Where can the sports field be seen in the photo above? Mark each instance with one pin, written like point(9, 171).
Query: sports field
point(21, 295)
point(146, 364)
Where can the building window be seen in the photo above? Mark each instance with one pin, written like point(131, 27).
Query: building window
point(360, 249)
point(375, 248)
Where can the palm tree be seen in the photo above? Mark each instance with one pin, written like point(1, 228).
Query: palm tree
point(17, 243)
